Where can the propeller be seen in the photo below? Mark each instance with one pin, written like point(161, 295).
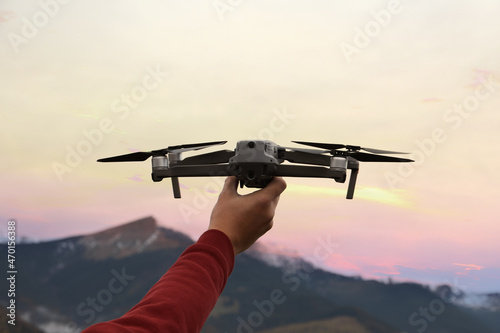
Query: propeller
point(305, 157)
point(142, 156)
point(334, 146)
point(354, 152)
point(312, 151)
point(216, 157)
point(364, 157)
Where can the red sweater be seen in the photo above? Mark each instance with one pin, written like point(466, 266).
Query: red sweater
point(184, 297)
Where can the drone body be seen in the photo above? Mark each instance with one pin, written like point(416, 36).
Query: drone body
point(255, 162)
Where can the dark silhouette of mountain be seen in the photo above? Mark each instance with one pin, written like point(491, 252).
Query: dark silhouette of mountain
point(487, 310)
point(69, 284)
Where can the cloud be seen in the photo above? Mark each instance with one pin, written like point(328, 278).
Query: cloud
point(6, 16)
point(340, 262)
point(469, 267)
point(388, 197)
point(136, 178)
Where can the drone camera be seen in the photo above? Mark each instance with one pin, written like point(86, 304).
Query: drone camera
point(254, 162)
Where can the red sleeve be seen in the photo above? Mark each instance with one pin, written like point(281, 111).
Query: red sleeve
point(185, 295)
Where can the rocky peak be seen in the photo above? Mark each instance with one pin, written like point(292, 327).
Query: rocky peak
point(142, 235)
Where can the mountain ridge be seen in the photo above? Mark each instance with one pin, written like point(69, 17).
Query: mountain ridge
point(137, 236)
point(75, 268)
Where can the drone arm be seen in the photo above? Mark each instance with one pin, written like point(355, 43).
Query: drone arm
point(193, 171)
point(217, 157)
point(188, 171)
point(305, 157)
point(308, 171)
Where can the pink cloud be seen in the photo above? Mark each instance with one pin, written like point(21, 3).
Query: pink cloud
point(136, 178)
point(6, 16)
point(480, 76)
point(340, 262)
point(470, 267)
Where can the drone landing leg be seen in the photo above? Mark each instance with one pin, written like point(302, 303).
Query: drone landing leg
point(176, 187)
point(352, 183)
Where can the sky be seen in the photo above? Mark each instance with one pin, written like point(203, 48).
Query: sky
point(82, 80)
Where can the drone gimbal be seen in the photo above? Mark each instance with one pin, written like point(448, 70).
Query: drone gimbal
point(255, 162)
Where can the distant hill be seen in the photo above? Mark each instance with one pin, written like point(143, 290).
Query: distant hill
point(64, 286)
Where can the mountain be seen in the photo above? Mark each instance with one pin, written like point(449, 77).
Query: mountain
point(486, 307)
point(56, 279)
point(68, 284)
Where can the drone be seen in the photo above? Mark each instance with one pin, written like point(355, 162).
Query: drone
point(254, 163)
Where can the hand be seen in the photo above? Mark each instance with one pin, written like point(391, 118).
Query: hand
point(245, 218)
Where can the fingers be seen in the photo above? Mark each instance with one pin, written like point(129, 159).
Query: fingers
point(275, 187)
point(230, 186)
point(273, 190)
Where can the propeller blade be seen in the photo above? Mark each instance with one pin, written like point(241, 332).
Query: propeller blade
point(142, 156)
point(334, 146)
point(364, 157)
point(312, 151)
point(329, 146)
point(379, 151)
point(216, 157)
point(133, 157)
point(193, 146)
point(306, 157)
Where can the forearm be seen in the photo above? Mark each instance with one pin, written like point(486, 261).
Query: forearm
point(184, 297)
